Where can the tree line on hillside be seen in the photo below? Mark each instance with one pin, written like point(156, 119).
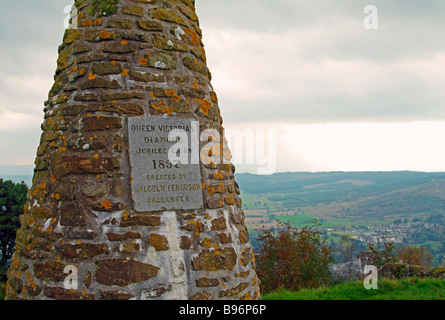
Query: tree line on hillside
point(401, 203)
point(383, 204)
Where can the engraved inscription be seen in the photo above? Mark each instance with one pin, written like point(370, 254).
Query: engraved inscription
point(157, 182)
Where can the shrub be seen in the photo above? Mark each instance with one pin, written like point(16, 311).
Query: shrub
point(293, 259)
point(415, 256)
point(378, 256)
point(381, 255)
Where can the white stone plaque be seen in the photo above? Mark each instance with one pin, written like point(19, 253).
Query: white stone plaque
point(158, 180)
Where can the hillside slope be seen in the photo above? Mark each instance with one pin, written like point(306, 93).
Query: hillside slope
point(351, 193)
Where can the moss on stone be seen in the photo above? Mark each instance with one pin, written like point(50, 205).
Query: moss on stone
point(103, 7)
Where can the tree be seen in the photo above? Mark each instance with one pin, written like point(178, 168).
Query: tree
point(347, 248)
point(12, 201)
point(378, 256)
point(415, 256)
point(293, 259)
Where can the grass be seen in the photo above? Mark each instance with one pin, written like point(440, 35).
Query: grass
point(405, 289)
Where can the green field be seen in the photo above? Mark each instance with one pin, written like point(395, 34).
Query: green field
point(406, 289)
point(301, 220)
point(297, 220)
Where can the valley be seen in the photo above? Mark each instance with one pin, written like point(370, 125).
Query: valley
point(407, 208)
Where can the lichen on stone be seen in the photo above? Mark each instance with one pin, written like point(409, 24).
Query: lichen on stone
point(103, 7)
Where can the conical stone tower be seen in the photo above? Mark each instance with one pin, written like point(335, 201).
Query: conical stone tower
point(110, 215)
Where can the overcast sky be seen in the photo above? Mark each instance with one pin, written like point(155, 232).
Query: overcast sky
point(338, 96)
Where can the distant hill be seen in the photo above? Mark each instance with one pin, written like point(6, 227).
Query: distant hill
point(367, 181)
point(300, 189)
point(333, 185)
point(351, 193)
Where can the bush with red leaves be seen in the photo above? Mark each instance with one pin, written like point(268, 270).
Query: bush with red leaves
point(293, 259)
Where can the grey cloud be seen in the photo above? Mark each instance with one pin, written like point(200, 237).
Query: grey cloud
point(40, 22)
point(407, 28)
point(411, 102)
point(409, 31)
point(255, 14)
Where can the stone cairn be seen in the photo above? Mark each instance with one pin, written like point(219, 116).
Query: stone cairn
point(84, 235)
